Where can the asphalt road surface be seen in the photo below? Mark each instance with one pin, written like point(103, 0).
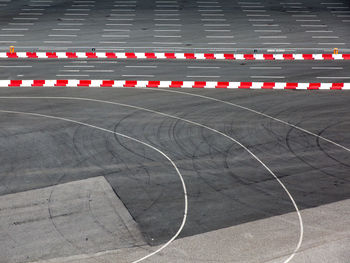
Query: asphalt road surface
point(175, 25)
point(163, 175)
point(226, 185)
point(285, 71)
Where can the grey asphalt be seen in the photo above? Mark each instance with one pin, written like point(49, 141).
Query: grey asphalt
point(175, 25)
point(226, 186)
point(292, 71)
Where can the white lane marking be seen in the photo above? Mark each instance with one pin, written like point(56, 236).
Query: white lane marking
point(141, 66)
point(267, 30)
point(197, 76)
point(325, 37)
point(79, 66)
point(21, 24)
point(219, 37)
point(327, 67)
point(345, 77)
point(199, 67)
point(136, 140)
point(16, 66)
point(66, 75)
point(319, 31)
point(268, 77)
point(271, 37)
point(98, 70)
point(146, 76)
point(265, 67)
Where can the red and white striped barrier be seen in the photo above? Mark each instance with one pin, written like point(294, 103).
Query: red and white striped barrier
point(174, 84)
point(150, 55)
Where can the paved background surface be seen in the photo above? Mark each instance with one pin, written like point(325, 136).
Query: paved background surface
point(301, 71)
point(175, 25)
point(79, 194)
point(226, 186)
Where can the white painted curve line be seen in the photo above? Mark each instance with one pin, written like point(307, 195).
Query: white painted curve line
point(205, 127)
point(133, 139)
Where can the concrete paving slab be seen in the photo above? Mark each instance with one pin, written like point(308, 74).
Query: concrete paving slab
point(73, 218)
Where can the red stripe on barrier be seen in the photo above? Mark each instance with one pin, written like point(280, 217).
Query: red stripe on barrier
point(130, 55)
point(153, 84)
point(327, 56)
point(249, 57)
point(245, 85)
point(38, 83)
point(209, 56)
point(107, 83)
point(314, 86)
point(269, 57)
point(84, 83)
point(71, 55)
point(11, 55)
point(291, 85)
point(176, 84)
point(15, 83)
point(130, 83)
point(51, 55)
point(229, 56)
point(91, 55)
point(337, 85)
point(222, 85)
point(170, 55)
point(61, 83)
point(199, 84)
point(268, 85)
point(189, 56)
point(308, 56)
point(150, 55)
point(111, 55)
point(31, 55)
point(346, 56)
point(288, 56)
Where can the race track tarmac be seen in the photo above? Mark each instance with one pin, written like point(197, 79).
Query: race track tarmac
point(226, 185)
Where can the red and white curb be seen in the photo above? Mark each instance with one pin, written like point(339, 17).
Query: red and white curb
point(150, 55)
point(174, 84)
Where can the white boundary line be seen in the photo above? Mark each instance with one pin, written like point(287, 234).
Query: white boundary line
point(301, 226)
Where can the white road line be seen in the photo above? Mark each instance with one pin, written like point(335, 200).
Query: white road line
point(268, 77)
point(98, 70)
point(79, 66)
point(136, 140)
point(198, 76)
point(265, 67)
point(217, 30)
point(325, 37)
point(8, 66)
point(148, 76)
point(199, 67)
point(141, 66)
point(327, 67)
point(65, 75)
point(345, 77)
point(21, 24)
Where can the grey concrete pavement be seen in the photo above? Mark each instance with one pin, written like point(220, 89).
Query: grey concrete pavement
point(292, 71)
point(62, 220)
point(175, 25)
point(326, 239)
